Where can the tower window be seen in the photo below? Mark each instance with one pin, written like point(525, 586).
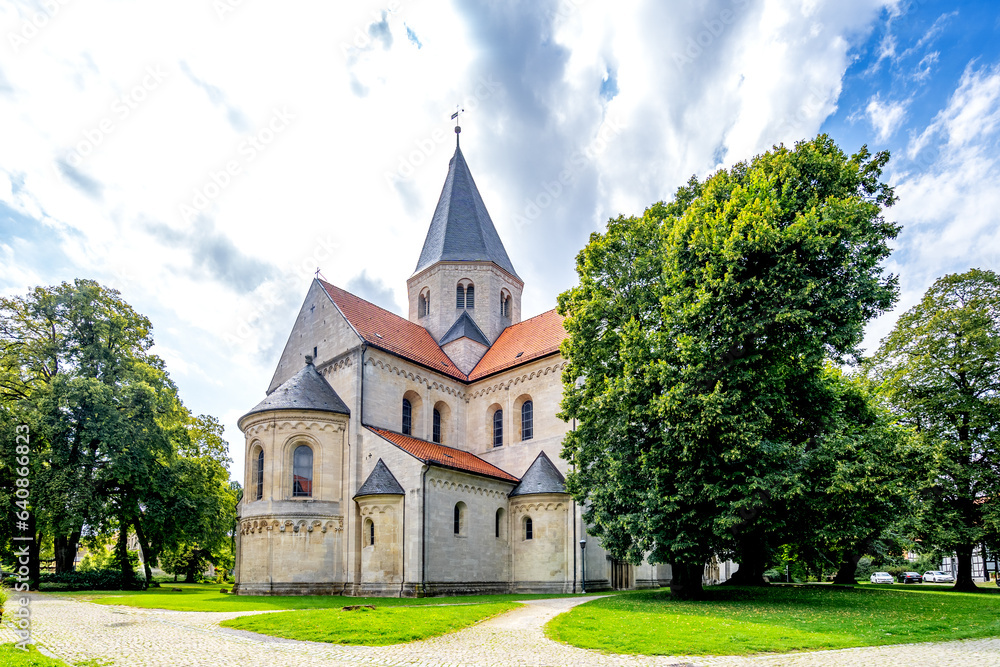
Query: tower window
point(460, 297)
point(302, 472)
point(470, 297)
point(407, 417)
point(436, 430)
point(498, 428)
point(424, 304)
point(504, 304)
point(527, 420)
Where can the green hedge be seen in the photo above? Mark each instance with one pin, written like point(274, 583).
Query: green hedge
point(104, 580)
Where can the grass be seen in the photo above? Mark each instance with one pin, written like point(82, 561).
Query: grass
point(11, 656)
point(370, 627)
point(206, 597)
point(742, 621)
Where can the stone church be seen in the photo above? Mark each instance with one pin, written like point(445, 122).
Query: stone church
point(420, 456)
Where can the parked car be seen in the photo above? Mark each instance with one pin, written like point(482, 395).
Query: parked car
point(881, 578)
point(938, 577)
point(911, 578)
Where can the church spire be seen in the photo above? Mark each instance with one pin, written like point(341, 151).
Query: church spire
point(461, 229)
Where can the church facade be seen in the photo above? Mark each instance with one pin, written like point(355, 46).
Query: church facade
point(420, 456)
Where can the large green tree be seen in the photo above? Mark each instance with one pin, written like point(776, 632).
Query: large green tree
point(113, 447)
point(939, 369)
point(697, 341)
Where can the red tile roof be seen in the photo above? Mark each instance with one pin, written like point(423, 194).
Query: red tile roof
point(532, 338)
point(536, 337)
point(392, 333)
point(447, 457)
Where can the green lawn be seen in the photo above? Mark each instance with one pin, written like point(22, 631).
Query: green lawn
point(206, 597)
point(369, 627)
point(741, 621)
point(11, 656)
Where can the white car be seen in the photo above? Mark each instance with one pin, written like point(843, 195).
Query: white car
point(881, 578)
point(938, 577)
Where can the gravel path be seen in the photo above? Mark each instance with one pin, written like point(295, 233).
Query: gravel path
point(128, 637)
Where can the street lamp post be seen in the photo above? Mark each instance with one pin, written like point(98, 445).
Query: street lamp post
point(583, 561)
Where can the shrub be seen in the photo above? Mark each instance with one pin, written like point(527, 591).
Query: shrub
point(91, 580)
point(4, 596)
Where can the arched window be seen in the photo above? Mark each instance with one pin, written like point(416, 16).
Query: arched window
point(527, 420)
point(498, 428)
point(422, 306)
point(470, 297)
point(369, 533)
point(499, 522)
point(302, 472)
point(258, 476)
point(436, 427)
point(460, 297)
point(460, 522)
point(528, 533)
point(407, 417)
point(504, 304)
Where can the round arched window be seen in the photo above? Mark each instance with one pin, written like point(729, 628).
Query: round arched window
point(302, 472)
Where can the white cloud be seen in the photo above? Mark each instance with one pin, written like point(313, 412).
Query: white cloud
point(949, 197)
point(885, 117)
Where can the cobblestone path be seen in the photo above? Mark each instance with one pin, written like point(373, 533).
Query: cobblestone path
point(127, 637)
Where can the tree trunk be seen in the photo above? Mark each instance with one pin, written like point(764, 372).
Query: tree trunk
point(753, 564)
point(847, 570)
point(128, 576)
point(146, 555)
point(685, 582)
point(65, 548)
point(34, 560)
point(963, 576)
point(982, 552)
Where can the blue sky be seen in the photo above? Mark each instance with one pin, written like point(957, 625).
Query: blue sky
point(205, 158)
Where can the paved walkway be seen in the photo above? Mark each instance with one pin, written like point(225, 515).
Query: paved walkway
point(128, 637)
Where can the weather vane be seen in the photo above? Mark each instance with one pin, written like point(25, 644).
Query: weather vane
point(458, 122)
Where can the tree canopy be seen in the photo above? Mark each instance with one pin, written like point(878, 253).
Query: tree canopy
point(698, 339)
point(939, 370)
point(113, 447)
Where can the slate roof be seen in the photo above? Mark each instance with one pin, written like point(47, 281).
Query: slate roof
point(465, 327)
point(532, 338)
point(445, 457)
point(461, 229)
point(540, 477)
point(380, 483)
point(392, 333)
point(306, 390)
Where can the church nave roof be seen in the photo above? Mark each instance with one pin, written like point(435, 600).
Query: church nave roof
point(392, 333)
point(440, 455)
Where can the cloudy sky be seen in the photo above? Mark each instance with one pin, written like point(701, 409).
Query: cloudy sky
point(205, 158)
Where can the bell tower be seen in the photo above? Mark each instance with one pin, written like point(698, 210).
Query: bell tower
point(464, 287)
